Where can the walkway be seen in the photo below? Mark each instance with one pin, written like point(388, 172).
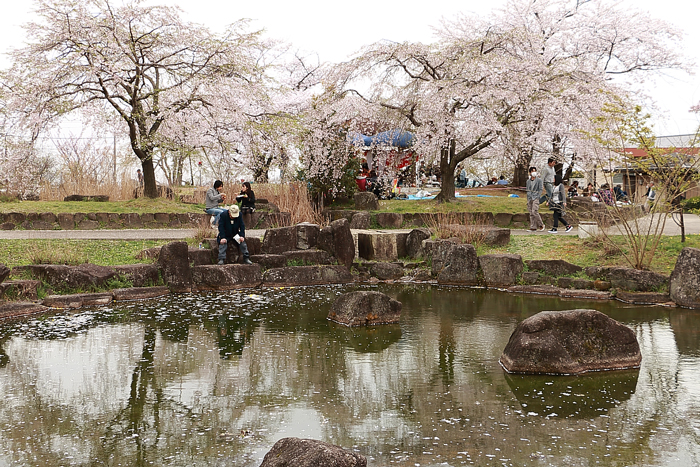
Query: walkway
point(692, 226)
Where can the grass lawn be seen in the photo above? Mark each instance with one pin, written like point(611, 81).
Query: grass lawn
point(115, 252)
point(493, 204)
point(587, 253)
point(140, 205)
point(102, 252)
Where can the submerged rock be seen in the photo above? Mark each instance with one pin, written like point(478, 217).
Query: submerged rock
point(299, 452)
point(570, 342)
point(364, 308)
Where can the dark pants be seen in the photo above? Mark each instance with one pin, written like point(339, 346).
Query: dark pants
point(243, 247)
point(557, 216)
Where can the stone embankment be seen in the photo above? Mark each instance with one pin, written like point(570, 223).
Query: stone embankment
point(266, 216)
point(306, 254)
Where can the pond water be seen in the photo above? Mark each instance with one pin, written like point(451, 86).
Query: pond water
point(215, 379)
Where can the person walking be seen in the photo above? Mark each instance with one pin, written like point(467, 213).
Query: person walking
point(558, 204)
point(232, 230)
point(212, 199)
point(651, 196)
point(548, 180)
point(533, 186)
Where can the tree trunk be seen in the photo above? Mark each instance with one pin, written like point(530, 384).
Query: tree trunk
point(520, 172)
point(150, 190)
point(448, 164)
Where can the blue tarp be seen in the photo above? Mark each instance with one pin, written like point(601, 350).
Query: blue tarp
point(396, 138)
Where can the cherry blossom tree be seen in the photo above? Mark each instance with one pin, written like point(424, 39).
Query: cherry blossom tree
point(526, 77)
point(143, 63)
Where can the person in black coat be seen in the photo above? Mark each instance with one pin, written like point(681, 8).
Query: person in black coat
point(247, 198)
point(232, 230)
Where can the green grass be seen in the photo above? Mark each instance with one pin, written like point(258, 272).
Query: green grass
point(495, 204)
point(585, 253)
point(101, 252)
point(140, 205)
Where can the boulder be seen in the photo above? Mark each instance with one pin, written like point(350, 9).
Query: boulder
point(377, 246)
point(269, 261)
point(337, 240)
point(297, 452)
point(386, 271)
point(496, 236)
point(10, 310)
point(77, 300)
point(162, 218)
point(140, 293)
point(4, 272)
point(366, 201)
point(307, 235)
point(130, 219)
point(83, 276)
point(643, 298)
point(307, 275)
point(530, 277)
point(307, 257)
point(628, 278)
point(66, 220)
point(501, 269)
point(553, 267)
point(414, 241)
point(227, 277)
point(390, 220)
point(279, 240)
point(365, 308)
point(360, 220)
point(174, 262)
point(460, 265)
point(570, 342)
point(140, 275)
point(684, 287)
point(7, 226)
point(15, 217)
point(503, 219)
point(201, 256)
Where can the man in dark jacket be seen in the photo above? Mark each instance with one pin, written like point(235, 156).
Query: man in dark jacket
point(232, 230)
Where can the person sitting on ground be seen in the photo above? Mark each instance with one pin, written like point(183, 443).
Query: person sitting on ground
point(247, 199)
point(232, 230)
point(502, 181)
point(589, 191)
point(213, 198)
point(573, 189)
point(606, 195)
point(620, 194)
point(492, 181)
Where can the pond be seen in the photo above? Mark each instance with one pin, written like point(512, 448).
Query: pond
point(215, 379)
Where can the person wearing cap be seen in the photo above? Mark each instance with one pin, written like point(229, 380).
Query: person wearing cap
point(232, 230)
point(213, 198)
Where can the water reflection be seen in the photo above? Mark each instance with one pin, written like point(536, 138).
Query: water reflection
point(216, 379)
point(584, 396)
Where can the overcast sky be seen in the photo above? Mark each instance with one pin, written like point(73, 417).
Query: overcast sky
point(334, 30)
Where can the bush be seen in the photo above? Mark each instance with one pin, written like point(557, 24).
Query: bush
point(691, 204)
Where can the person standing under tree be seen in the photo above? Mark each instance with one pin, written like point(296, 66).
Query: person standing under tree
point(558, 204)
point(548, 180)
point(534, 191)
point(139, 177)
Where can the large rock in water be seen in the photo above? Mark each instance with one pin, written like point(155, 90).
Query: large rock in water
point(174, 262)
point(501, 269)
point(297, 452)
point(570, 342)
point(365, 308)
point(684, 287)
point(460, 265)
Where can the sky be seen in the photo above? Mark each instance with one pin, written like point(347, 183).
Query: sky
point(335, 30)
